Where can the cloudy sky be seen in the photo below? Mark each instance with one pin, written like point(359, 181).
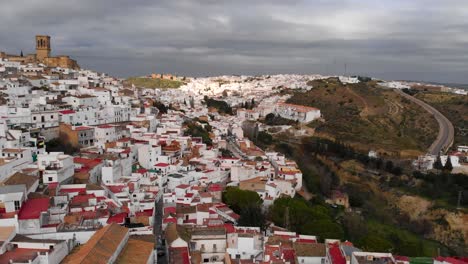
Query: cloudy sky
point(392, 39)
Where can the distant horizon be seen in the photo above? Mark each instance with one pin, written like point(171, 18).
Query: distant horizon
point(393, 40)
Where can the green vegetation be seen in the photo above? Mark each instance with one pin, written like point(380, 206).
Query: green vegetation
point(441, 186)
point(247, 204)
point(161, 107)
point(221, 106)
point(369, 117)
point(150, 83)
point(203, 131)
point(276, 120)
point(321, 162)
point(452, 106)
point(226, 153)
point(61, 145)
point(300, 216)
point(238, 199)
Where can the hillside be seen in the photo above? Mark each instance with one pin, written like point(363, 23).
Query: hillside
point(454, 107)
point(368, 117)
point(150, 83)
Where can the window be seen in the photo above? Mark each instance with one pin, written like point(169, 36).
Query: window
point(50, 179)
point(34, 118)
point(17, 205)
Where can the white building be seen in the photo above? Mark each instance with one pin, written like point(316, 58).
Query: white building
point(303, 114)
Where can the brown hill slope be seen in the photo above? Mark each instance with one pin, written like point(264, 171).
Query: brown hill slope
point(368, 117)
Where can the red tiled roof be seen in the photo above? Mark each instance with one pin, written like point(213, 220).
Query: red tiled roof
point(289, 255)
point(336, 256)
point(116, 188)
point(32, 208)
point(229, 228)
point(84, 198)
point(148, 212)
point(161, 164)
point(81, 128)
point(299, 108)
point(304, 240)
point(105, 126)
point(73, 190)
point(215, 188)
point(90, 163)
point(142, 171)
point(117, 218)
point(183, 186)
point(171, 209)
point(450, 260)
point(67, 112)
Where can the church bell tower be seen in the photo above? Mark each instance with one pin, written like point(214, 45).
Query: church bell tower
point(42, 47)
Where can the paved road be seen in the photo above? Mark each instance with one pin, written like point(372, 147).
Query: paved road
point(444, 139)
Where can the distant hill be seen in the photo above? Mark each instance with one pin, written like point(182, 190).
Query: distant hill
point(369, 117)
point(144, 82)
point(454, 107)
point(452, 85)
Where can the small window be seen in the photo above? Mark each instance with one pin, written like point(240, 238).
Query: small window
point(34, 118)
point(51, 179)
point(17, 205)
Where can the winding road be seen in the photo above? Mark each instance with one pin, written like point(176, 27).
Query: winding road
point(445, 137)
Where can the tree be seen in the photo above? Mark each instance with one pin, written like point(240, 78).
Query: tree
point(389, 166)
point(252, 215)
point(161, 107)
point(355, 226)
point(448, 165)
point(374, 242)
point(438, 163)
point(238, 199)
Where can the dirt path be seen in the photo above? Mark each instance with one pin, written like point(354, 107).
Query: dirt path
point(365, 112)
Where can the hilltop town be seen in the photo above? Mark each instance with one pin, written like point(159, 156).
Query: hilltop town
point(95, 169)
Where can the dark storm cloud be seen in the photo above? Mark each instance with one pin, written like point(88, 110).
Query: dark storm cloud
point(422, 39)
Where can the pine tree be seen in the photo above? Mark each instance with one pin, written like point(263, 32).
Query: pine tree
point(448, 165)
point(438, 163)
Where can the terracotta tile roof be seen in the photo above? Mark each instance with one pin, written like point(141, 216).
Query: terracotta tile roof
point(136, 251)
point(298, 108)
point(100, 247)
point(310, 250)
point(21, 178)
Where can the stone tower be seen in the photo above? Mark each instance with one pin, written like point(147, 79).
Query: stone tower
point(42, 47)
